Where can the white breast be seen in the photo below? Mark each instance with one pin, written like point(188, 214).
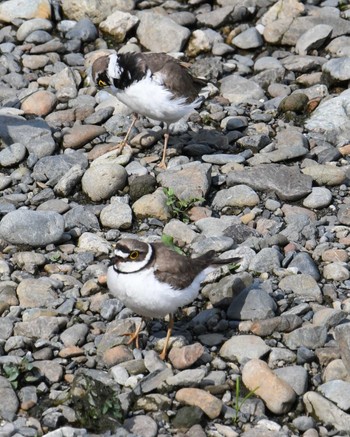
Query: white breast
point(151, 99)
point(146, 296)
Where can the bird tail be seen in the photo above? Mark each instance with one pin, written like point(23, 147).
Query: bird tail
point(219, 261)
point(210, 258)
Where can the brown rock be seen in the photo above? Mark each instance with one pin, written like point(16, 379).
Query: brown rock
point(199, 398)
point(335, 255)
point(71, 351)
point(117, 355)
point(152, 205)
point(184, 357)
point(198, 212)
point(35, 62)
point(40, 103)
point(101, 149)
point(285, 323)
point(345, 150)
point(78, 136)
point(276, 393)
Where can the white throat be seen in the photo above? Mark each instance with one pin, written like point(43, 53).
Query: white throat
point(114, 70)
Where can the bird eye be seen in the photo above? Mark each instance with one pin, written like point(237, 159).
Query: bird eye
point(134, 254)
point(101, 83)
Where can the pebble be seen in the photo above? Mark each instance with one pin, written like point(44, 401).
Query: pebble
point(205, 401)
point(142, 425)
point(244, 347)
point(185, 357)
point(9, 408)
point(35, 228)
point(271, 132)
point(258, 376)
point(325, 410)
point(101, 182)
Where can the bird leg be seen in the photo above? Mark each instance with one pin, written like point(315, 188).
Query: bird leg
point(134, 336)
point(168, 335)
point(124, 142)
point(162, 163)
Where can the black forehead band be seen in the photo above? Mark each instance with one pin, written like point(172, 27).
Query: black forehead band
point(103, 76)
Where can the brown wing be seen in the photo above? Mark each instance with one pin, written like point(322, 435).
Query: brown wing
point(176, 77)
point(176, 269)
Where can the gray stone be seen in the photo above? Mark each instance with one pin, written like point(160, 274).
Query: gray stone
point(248, 39)
point(192, 181)
point(94, 243)
point(84, 30)
point(338, 392)
point(338, 69)
point(214, 227)
point(303, 423)
point(266, 260)
point(9, 408)
point(186, 378)
point(29, 26)
point(69, 181)
point(36, 293)
point(339, 47)
point(34, 134)
point(161, 34)
point(51, 169)
point(118, 24)
point(319, 197)
point(252, 304)
point(43, 327)
point(117, 215)
point(331, 118)
point(221, 293)
point(243, 347)
point(239, 196)
point(336, 271)
point(342, 337)
point(325, 174)
point(6, 328)
point(313, 38)
point(311, 337)
point(238, 89)
point(303, 285)
point(326, 411)
point(82, 218)
point(75, 335)
point(12, 155)
point(35, 228)
point(295, 376)
point(305, 264)
point(287, 182)
point(100, 182)
point(216, 17)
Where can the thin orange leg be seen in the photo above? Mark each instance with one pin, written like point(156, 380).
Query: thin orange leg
point(125, 140)
point(162, 163)
point(168, 335)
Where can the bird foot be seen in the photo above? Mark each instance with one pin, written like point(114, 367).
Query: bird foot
point(134, 337)
point(119, 147)
point(162, 165)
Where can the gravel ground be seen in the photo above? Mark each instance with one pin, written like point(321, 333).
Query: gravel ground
point(260, 171)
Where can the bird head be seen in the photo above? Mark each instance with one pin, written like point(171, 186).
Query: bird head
point(106, 70)
point(131, 255)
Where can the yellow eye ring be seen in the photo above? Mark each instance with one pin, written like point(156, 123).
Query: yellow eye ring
point(134, 254)
point(101, 83)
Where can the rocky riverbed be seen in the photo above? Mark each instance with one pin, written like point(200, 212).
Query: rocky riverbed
point(260, 171)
